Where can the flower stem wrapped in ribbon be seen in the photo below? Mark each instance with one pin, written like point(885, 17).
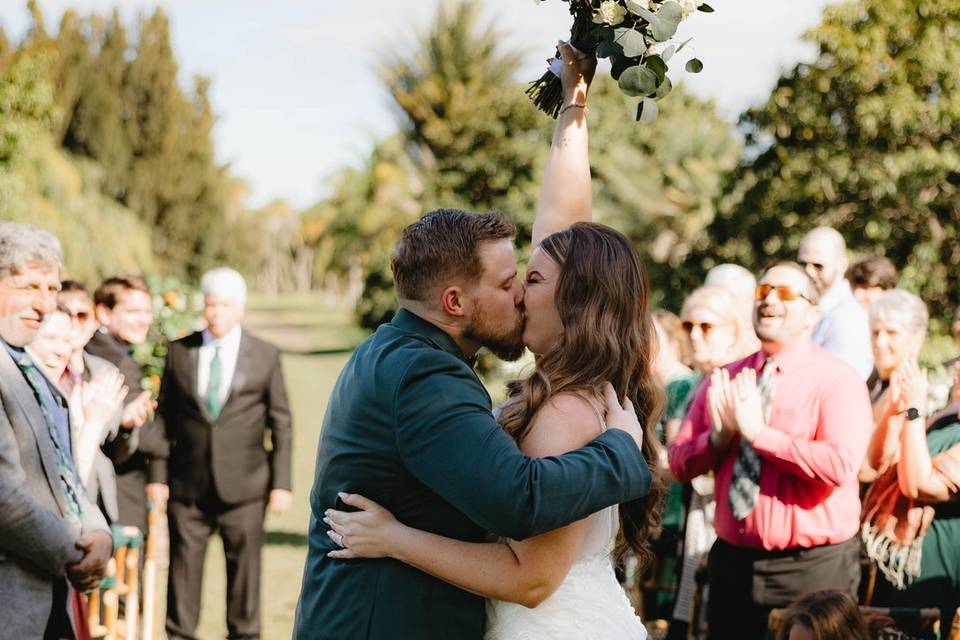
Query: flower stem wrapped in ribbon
point(634, 35)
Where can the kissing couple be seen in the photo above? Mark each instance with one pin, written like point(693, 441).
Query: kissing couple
point(431, 519)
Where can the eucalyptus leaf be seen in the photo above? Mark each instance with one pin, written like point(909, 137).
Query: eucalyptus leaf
point(668, 53)
point(638, 81)
point(619, 65)
point(657, 65)
point(683, 44)
point(636, 9)
point(666, 20)
point(633, 43)
point(647, 110)
point(705, 8)
point(607, 49)
point(694, 65)
point(665, 87)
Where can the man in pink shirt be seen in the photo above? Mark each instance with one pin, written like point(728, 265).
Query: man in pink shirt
point(784, 431)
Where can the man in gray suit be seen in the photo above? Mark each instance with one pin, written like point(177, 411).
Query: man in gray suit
point(49, 530)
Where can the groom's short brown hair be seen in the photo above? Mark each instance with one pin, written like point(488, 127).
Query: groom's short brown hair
point(441, 245)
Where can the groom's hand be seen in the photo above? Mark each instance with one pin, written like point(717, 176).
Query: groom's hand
point(623, 416)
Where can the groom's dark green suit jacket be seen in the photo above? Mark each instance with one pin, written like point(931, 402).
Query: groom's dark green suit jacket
point(409, 426)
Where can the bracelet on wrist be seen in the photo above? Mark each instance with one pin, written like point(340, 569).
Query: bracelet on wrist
point(575, 105)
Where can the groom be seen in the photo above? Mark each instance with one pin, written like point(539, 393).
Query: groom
point(409, 426)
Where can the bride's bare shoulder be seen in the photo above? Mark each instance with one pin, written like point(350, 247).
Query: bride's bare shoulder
point(567, 421)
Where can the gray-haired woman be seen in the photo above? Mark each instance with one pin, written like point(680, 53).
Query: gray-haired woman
point(898, 325)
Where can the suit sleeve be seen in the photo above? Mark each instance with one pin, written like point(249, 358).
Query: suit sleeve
point(281, 429)
point(449, 440)
point(157, 464)
point(28, 529)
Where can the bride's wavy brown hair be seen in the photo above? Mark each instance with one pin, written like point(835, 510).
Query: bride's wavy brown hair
point(608, 335)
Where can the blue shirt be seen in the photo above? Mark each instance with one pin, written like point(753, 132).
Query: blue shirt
point(844, 329)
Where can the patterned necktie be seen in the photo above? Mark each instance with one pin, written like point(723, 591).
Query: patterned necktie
point(69, 482)
point(214, 404)
point(745, 483)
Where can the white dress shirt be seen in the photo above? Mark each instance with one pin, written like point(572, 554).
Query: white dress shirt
point(229, 349)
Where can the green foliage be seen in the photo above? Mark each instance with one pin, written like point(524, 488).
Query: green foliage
point(177, 310)
point(469, 139)
point(98, 142)
point(863, 139)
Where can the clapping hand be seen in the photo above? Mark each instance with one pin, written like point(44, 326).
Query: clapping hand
point(908, 387)
point(719, 400)
point(102, 396)
point(137, 412)
point(747, 404)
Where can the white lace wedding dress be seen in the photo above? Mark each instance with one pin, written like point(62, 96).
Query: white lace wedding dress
point(588, 605)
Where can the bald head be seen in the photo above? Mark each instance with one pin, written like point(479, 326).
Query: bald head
point(823, 254)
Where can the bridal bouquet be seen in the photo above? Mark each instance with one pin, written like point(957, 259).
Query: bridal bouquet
point(634, 35)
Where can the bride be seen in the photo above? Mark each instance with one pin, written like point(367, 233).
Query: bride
point(587, 322)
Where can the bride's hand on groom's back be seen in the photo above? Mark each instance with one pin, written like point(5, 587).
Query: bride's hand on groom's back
point(622, 416)
point(366, 533)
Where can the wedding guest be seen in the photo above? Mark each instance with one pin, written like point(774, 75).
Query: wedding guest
point(869, 277)
point(673, 368)
point(911, 513)
point(49, 530)
point(718, 335)
point(829, 614)
point(898, 326)
point(223, 394)
point(94, 401)
point(124, 311)
point(679, 382)
point(120, 440)
point(738, 281)
point(843, 328)
point(784, 431)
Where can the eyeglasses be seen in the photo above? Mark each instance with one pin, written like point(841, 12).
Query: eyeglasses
point(705, 327)
point(784, 292)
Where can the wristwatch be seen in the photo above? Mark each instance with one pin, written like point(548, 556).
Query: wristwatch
point(913, 413)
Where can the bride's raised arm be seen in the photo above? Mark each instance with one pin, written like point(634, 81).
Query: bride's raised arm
point(565, 194)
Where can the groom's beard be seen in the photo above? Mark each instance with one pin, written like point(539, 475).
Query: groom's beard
point(506, 344)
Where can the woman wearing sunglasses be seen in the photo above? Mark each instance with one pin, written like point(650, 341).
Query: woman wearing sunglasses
point(718, 334)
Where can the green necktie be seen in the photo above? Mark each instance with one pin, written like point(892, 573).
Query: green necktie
point(69, 483)
point(214, 404)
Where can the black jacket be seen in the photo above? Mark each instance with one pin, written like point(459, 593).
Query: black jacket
point(136, 470)
point(228, 451)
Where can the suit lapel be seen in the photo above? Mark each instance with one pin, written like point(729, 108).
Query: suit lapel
point(27, 412)
point(192, 372)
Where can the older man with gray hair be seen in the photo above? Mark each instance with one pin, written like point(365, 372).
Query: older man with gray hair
point(844, 329)
point(49, 530)
point(222, 393)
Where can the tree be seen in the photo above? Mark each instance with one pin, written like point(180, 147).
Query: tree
point(863, 139)
point(97, 128)
point(470, 138)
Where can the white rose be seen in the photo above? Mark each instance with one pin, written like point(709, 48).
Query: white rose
point(612, 12)
point(689, 6)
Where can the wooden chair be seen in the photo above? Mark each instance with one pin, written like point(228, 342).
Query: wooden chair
point(122, 582)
